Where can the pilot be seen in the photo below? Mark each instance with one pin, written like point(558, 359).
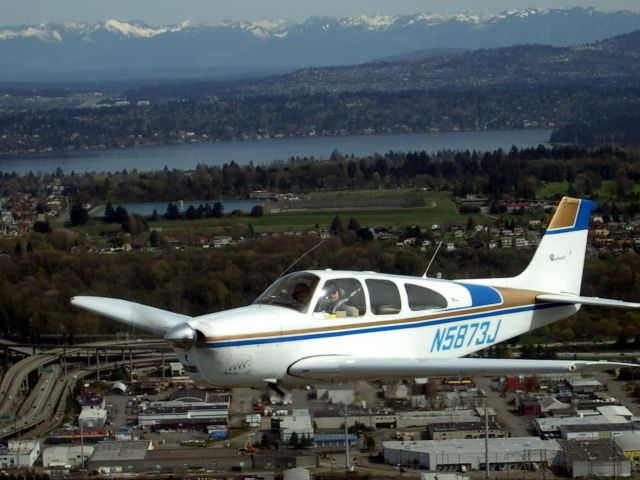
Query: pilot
point(300, 294)
point(335, 302)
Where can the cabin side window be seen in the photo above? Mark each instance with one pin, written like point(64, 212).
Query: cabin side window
point(421, 298)
point(342, 297)
point(385, 297)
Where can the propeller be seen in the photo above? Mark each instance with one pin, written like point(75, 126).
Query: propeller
point(181, 336)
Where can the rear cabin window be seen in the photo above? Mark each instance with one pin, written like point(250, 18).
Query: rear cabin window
point(385, 297)
point(421, 298)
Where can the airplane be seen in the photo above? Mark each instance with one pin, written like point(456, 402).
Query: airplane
point(330, 325)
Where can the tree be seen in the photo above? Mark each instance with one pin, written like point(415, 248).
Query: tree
point(336, 226)
point(109, 213)
point(191, 213)
point(42, 226)
point(218, 210)
point(78, 214)
point(172, 212)
point(257, 211)
point(370, 443)
point(365, 234)
point(121, 215)
point(155, 239)
point(294, 440)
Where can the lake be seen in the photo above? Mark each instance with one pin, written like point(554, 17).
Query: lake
point(187, 157)
point(147, 209)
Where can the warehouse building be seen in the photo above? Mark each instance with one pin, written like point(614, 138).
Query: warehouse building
point(504, 453)
point(596, 458)
point(19, 454)
point(299, 422)
point(176, 414)
point(551, 427)
point(65, 456)
point(139, 456)
point(333, 419)
point(92, 418)
point(594, 432)
point(629, 443)
point(419, 418)
point(452, 431)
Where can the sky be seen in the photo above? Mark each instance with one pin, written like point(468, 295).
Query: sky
point(163, 12)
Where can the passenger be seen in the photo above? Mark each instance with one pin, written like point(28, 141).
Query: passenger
point(300, 295)
point(335, 302)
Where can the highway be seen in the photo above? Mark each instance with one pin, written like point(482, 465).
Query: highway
point(41, 407)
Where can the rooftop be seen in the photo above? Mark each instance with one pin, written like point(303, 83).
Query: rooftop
point(604, 450)
point(114, 451)
point(473, 446)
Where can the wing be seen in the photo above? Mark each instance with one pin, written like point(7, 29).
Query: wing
point(600, 302)
point(152, 319)
point(342, 367)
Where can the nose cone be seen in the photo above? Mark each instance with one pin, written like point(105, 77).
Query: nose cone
point(181, 336)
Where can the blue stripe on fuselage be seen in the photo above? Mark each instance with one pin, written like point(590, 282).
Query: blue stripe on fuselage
point(482, 295)
point(342, 333)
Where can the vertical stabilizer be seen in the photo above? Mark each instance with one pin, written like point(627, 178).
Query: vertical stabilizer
point(559, 260)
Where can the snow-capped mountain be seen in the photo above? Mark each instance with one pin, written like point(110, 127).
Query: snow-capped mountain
point(116, 49)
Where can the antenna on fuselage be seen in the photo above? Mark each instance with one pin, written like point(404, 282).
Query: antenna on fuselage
point(301, 257)
point(424, 275)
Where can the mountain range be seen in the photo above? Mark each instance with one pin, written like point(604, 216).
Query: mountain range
point(116, 50)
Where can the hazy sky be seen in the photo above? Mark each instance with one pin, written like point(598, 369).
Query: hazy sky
point(156, 12)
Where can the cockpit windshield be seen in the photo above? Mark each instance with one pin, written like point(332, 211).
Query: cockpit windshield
point(293, 291)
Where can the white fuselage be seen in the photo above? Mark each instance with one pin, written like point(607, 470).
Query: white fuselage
point(254, 345)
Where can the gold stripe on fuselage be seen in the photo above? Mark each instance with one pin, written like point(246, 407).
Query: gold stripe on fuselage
point(510, 298)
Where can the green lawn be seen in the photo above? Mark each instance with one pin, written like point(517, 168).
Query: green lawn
point(603, 194)
point(439, 208)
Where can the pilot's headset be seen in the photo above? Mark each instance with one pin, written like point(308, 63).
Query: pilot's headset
point(331, 288)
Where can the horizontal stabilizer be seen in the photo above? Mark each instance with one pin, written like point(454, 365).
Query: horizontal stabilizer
point(596, 301)
point(330, 367)
point(137, 315)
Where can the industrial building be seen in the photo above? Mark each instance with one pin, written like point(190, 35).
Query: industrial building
point(65, 456)
point(596, 458)
point(140, 457)
point(335, 440)
point(629, 443)
point(452, 431)
point(19, 454)
point(419, 418)
point(175, 414)
point(92, 401)
point(268, 459)
point(299, 422)
point(373, 418)
point(92, 418)
point(594, 432)
point(551, 427)
point(504, 453)
point(336, 394)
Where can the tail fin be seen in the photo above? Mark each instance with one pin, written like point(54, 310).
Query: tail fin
point(558, 262)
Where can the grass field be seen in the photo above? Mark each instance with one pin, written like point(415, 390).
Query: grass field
point(603, 193)
point(439, 208)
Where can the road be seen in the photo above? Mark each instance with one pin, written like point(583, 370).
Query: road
point(44, 404)
point(518, 424)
